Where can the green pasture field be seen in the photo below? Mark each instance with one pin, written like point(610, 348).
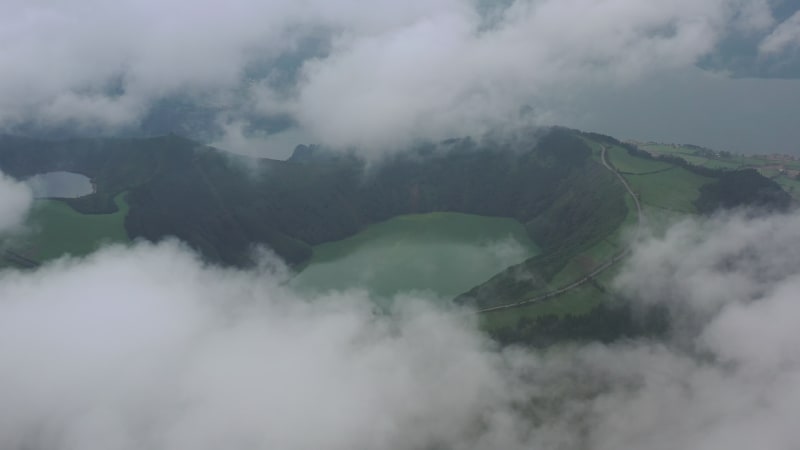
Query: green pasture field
point(790, 185)
point(627, 163)
point(675, 189)
point(732, 162)
point(57, 229)
point(580, 300)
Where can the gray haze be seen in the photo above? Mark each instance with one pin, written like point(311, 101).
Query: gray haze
point(265, 75)
point(148, 347)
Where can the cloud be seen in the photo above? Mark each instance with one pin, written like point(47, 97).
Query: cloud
point(785, 37)
point(707, 265)
point(726, 378)
point(755, 16)
point(731, 379)
point(147, 346)
point(348, 73)
point(443, 76)
point(15, 200)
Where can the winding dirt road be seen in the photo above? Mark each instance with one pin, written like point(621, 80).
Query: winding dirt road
point(616, 258)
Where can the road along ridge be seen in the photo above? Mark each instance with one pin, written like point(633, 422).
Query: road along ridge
point(616, 258)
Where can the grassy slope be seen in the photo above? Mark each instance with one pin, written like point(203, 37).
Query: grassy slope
point(597, 190)
point(667, 192)
point(791, 185)
point(629, 164)
point(659, 184)
point(768, 168)
point(691, 155)
point(582, 300)
point(58, 229)
point(674, 190)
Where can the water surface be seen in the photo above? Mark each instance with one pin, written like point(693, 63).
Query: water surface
point(442, 253)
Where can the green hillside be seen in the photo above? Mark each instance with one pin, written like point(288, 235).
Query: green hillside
point(57, 229)
point(553, 181)
point(667, 189)
point(783, 169)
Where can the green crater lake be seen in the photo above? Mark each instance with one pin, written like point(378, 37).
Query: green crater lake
point(443, 253)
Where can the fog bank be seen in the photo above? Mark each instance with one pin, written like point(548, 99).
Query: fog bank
point(148, 347)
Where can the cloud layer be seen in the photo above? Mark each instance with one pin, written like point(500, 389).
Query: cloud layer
point(785, 36)
point(346, 73)
point(15, 200)
point(729, 377)
point(148, 347)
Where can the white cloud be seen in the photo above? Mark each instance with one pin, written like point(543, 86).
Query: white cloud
point(785, 37)
point(15, 201)
point(755, 15)
point(149, 347)
point(395, 70)
point(730, 378)
point(440, 76)
point(707, 265)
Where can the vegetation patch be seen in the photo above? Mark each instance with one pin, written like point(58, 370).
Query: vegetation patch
point(668, 189)
point(790, 184)
point(630, 164)
point(581, 300)
point(676, 189)
point(55, 229)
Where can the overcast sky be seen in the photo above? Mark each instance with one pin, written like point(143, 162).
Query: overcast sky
point(380, 74)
